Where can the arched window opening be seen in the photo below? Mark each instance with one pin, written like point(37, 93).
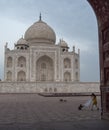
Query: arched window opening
point(76, 63)
point(22, 48)
point(67, 63)
point(9, 76)
point(21, 61)
point(45, 69)
point(21, 76)
point(63, 50)
point(9, 62)
point(67, 76)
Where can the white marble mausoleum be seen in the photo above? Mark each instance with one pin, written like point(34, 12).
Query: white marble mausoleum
point(37, 57)
point(38, 64)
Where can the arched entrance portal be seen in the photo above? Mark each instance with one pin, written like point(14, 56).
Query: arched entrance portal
point(101, 9)
point(45, 69)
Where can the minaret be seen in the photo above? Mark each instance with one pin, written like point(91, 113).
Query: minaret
point(6, 46)
point(74, 49)
point(79, 51)
point(40, 17)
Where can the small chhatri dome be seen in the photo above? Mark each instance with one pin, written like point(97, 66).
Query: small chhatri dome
point(21, 41)
point(40, 32)
point(62, 43)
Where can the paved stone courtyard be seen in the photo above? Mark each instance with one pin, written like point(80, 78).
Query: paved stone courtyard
point(23, 111)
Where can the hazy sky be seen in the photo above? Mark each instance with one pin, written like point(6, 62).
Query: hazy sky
point(72, 20)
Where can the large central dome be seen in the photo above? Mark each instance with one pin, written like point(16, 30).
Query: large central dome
point(40, 32)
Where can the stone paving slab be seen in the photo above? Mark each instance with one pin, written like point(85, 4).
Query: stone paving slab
point(34, 112)
point(33, 108)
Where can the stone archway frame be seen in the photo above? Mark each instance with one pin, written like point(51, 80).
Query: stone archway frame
point(49, 73)
point(101, 9)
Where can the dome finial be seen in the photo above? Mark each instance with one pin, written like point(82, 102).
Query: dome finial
point(40, 17)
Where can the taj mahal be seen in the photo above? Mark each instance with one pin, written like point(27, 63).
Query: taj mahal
point(39, 64)
point(36, 57)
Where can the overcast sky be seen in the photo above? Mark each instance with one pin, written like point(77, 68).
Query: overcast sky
point(72, 20)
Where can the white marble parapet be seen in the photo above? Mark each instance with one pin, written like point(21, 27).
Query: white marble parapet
point(49, 87)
